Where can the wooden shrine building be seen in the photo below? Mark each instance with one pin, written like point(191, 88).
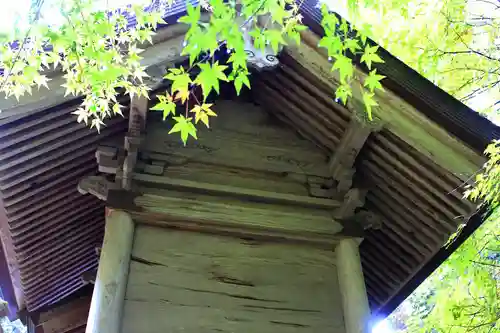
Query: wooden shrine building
point(291, 213)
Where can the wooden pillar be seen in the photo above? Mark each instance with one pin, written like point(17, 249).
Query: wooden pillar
point(352, 287)
point(106, 308)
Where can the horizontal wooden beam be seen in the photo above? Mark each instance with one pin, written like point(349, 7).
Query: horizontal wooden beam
point(398, 116)
point(240, 192)
point(217, 214)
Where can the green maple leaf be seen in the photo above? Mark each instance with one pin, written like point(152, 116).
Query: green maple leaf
point(209, 77)
point(202, 112)
point(192, 49)
point(293, 32)
point(332, 43)
point(209, 41)
point(166, 105)
point(329, 20)
point(370, 55)
point(238, 58)
point(278, 12)
point(352, 45)
point(364, 32)
point(345, 67)
point(275, 38)
point(240, 80)
point(180, 81)
point(234, 38)
point(343, 92)
point(259, 41)
point(369, 102)
point(184, 126)
point(344, 27)
point(193, 15)
point(372, 81)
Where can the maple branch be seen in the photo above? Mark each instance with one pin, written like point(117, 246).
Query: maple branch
point(484, 263)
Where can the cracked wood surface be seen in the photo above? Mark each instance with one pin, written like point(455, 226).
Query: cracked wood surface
point(188, 282)
point(227, 215)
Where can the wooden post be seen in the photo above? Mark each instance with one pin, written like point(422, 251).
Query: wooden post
point(106, 308)
point(352, 287)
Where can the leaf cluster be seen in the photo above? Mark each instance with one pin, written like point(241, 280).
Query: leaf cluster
point(342, 42)
point(267, 22)
point(98, 50)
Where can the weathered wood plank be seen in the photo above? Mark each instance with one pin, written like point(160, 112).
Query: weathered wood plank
point(399, 117)
point(241, 192)
point(242, 136)
point(229, 211)
point(188, 282)
point(290, 183)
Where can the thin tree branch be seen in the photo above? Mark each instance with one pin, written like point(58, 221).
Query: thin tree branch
point(485, 263)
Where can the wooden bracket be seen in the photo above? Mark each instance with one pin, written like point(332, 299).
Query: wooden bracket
point(154, 167)
point(137, 116)
point(341, 164)
point(98, 186)
point(133, 140)
point(354, 198)
point(356, 225)
point(320, 187)
point(88, 277)
point(109, 159)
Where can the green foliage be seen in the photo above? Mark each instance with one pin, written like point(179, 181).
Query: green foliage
point(487, 183)
point(341, 42)
point(94, 50)
point(101, 58)
point(463, 295)
point(455, 44)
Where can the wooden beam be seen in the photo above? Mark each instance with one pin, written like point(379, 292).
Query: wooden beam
point(398, 116)
point(212, 213)
point(138, 115)
point(69, 316)
point(106, 308)
point(352, 287)
point(234, 191)
point(136, 127)
point(341, 163)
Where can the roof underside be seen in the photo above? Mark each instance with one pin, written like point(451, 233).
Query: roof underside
point(54, 230)
point(420, 202)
